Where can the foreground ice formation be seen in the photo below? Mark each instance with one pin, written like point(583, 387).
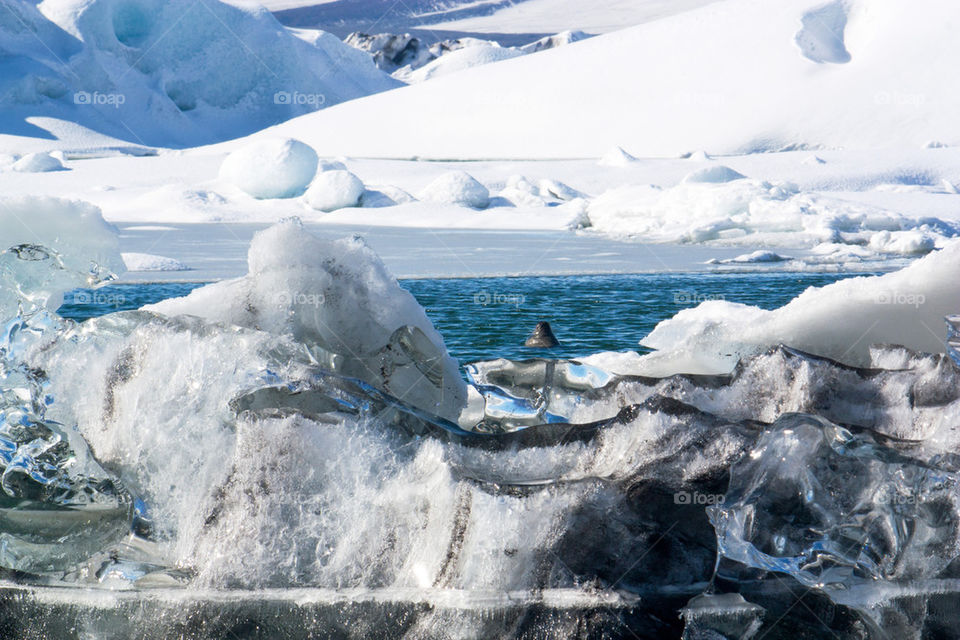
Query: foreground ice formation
point(293, 451)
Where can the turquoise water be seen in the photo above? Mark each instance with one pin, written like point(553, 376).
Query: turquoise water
point(485, 318)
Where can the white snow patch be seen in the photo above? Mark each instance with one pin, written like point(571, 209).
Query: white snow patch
point(616, 157)
point(714, 174)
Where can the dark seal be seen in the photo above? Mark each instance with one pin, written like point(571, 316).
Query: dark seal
point(542, 337)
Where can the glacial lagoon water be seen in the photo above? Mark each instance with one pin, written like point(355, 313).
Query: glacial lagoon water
point(488, 318)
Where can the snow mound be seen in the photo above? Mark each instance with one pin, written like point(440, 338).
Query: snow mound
point(457, 187)
point(616, 157)
point(271, 168)
point(523, 192)
point(472, 56)
point(839, 321)
point(757, 257)
point(168, 72)
point(37, 163)
point(332, 190)
point(339, 298)
point(150, 262)
point(714, 174)
point(821, 37)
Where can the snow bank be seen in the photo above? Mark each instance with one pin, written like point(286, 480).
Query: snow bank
point(339, 298)
point(746, 211)
point(37, 163)
point(271, 168)
point(150, 262)
point(168, 72)
point(457, 187)
point(840, 321)
point(332, 190)
point(50, 246)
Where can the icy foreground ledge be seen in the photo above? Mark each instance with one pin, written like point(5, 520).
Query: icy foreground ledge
point(278, 439)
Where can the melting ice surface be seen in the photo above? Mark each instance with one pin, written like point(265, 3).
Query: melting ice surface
point(294, 453)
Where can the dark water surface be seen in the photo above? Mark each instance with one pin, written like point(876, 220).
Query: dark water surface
point(485, 318)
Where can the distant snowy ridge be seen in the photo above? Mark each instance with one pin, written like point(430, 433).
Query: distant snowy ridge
point(770, 82)
point(409, 60)
point(166, 73)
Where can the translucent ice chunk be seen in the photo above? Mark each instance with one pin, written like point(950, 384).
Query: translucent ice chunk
point(834, 508)
point(48, 246)
point(57, 506)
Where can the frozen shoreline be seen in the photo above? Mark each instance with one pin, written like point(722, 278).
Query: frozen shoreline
point(217, 251)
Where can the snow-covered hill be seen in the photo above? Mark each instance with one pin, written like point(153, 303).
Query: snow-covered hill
point(734, 76)
point(166, 73)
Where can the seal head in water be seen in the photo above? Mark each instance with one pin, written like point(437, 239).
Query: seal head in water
point(542, 337)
